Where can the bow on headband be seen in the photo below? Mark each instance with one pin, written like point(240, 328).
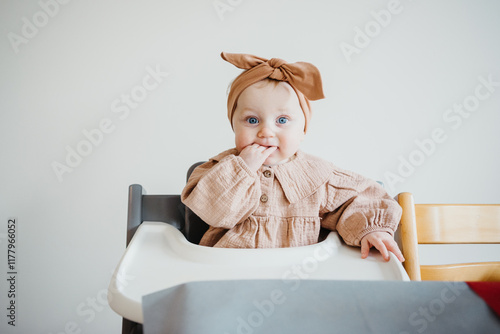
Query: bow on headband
point(303, 77)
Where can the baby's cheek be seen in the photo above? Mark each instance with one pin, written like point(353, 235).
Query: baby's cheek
point(241, 144)
point(237, 142)
point(294, 142)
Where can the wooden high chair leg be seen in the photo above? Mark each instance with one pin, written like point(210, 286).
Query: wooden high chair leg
point(409, 236)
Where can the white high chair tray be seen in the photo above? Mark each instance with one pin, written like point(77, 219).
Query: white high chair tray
point(159, 257)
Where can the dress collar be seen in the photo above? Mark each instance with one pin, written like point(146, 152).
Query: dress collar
point(302, 176)
point(299, 177)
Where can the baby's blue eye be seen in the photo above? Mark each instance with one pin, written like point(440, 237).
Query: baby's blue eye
point(252, 120)
point(282, 120)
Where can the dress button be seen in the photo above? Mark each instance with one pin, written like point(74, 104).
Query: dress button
point(267, 173)
point(264, 198)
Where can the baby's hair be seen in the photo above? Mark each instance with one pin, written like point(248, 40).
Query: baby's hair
point(268, 81)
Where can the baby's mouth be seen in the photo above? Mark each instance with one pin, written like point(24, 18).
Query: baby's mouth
point(268, 146)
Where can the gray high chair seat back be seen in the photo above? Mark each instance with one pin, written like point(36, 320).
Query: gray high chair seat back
point(162, 208)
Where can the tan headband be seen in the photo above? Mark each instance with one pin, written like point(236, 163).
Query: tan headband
point(304, 78)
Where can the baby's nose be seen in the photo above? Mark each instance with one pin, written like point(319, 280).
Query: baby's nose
point(266, 131)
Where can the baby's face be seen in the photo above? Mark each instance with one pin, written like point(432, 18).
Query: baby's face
point(269, 115)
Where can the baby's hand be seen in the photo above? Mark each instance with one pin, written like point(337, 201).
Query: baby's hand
point(254, 155)
point(382, 241)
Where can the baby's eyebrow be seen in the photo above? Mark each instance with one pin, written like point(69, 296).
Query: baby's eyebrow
point(249, 110)
point(286, 111)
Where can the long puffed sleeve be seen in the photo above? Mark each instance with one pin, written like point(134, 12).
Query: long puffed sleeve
point(357, 206)
point(222, 193)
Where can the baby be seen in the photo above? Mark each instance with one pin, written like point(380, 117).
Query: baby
point(267, 193)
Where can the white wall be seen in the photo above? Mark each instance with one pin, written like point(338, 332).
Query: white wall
point(68, 74)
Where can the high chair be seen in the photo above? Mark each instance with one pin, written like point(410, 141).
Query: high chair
point(163, 252)
point(160, 208)
point(448, 224)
